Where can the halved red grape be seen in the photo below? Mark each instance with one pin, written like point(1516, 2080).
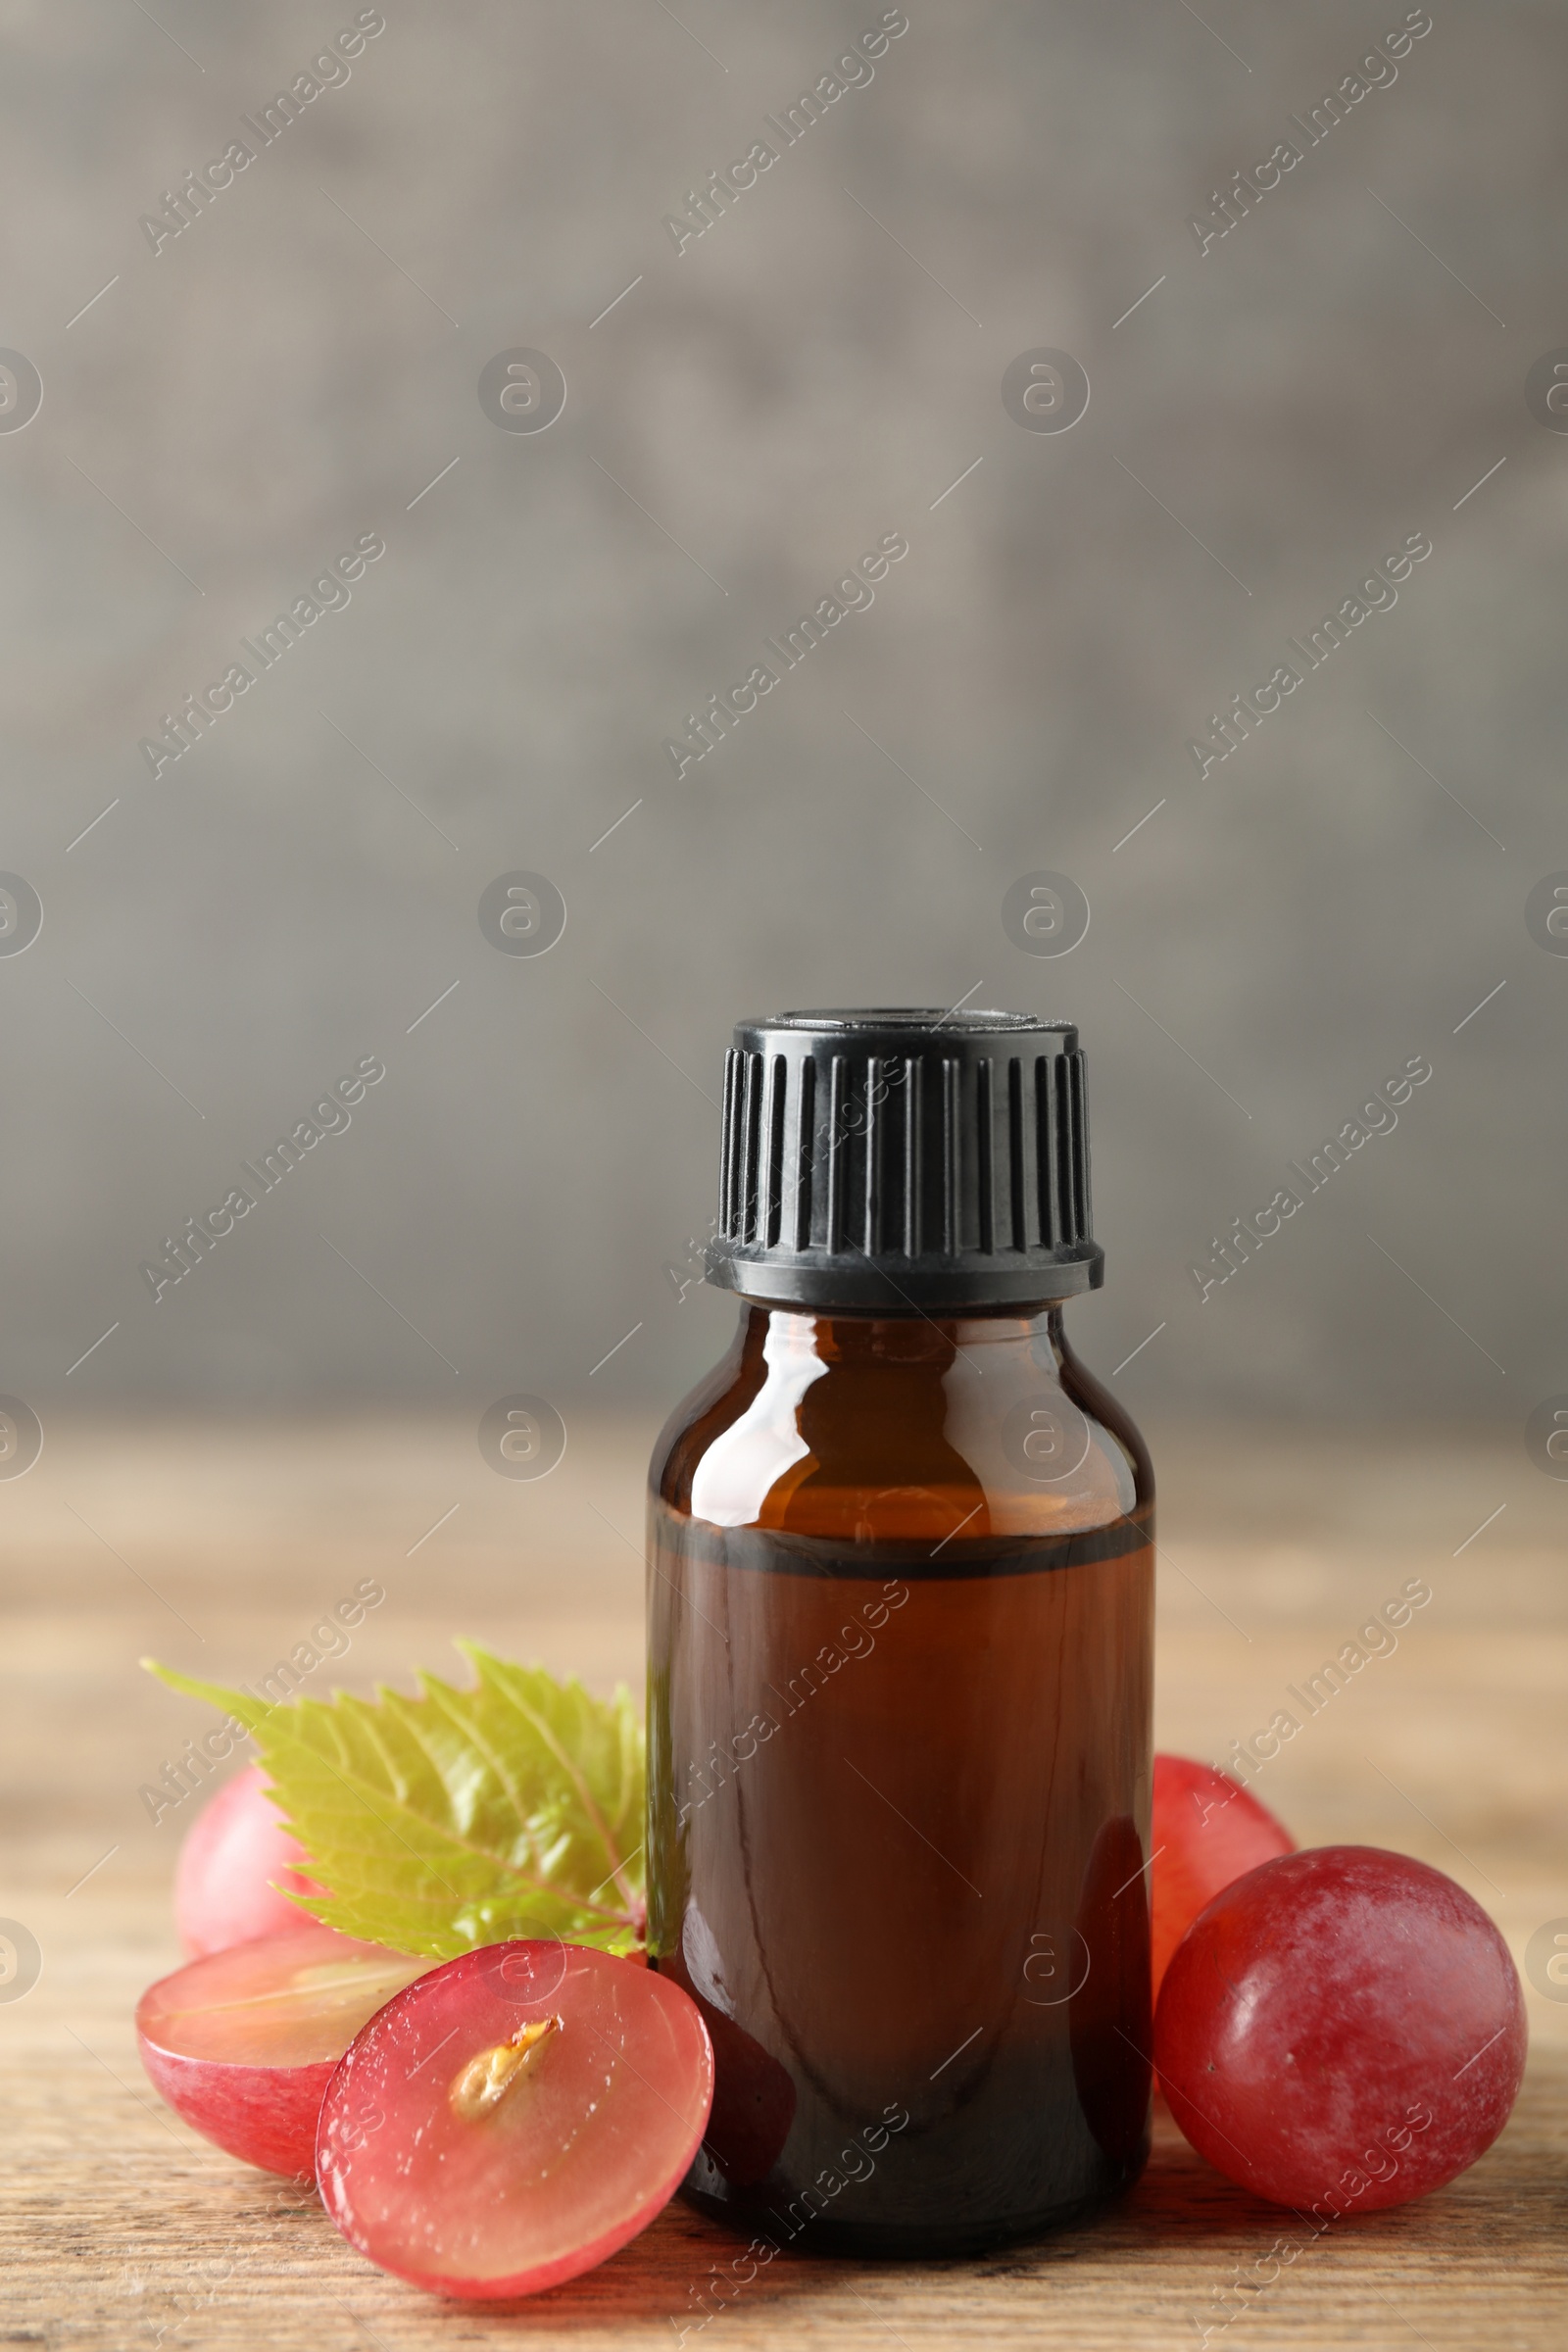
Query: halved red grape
point(243, 2043)
point(1208, 1830)
point(514, 2118)
point(235, 1862)
point(1341, 2030)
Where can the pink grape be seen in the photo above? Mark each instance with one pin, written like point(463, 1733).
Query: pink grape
point(1341, 2030)
point(234, 1852)
point(514, 2118)
point(1208, 1830)
point(243, 2043)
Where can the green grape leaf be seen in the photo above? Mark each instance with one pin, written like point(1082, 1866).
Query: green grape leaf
point(459, 1817)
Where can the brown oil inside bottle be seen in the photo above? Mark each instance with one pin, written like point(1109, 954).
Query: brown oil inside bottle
point(900, 1823)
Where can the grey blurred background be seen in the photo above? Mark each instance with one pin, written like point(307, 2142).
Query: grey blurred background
point(300, 365)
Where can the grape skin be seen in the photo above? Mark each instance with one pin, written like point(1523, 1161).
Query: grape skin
point(235, 1861)
point(1208, 1830)
point(1342, 2031)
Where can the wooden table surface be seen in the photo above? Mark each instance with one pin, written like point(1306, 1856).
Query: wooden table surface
point(215, 1547)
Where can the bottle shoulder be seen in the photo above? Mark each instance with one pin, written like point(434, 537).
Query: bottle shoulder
point(990, 1433)
point(701, 1419)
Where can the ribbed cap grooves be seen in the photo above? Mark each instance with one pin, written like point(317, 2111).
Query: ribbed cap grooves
point(905, 1160)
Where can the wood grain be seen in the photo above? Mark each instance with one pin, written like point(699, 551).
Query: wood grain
point(217, 1547)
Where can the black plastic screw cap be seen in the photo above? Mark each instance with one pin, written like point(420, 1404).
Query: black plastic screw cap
point(899, 1160)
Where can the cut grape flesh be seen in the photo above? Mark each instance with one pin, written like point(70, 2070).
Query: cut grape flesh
point(1207, 1831)
point(243, 2043)
point(514, 2118)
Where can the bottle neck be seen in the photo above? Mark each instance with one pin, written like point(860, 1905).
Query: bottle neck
point(776, 1333)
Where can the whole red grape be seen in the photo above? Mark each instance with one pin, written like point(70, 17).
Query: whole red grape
point(1208, 1830)
point(1341, 2030)
point(235, 1862)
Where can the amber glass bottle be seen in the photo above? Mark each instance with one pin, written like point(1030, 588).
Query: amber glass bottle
point(900, 1621)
